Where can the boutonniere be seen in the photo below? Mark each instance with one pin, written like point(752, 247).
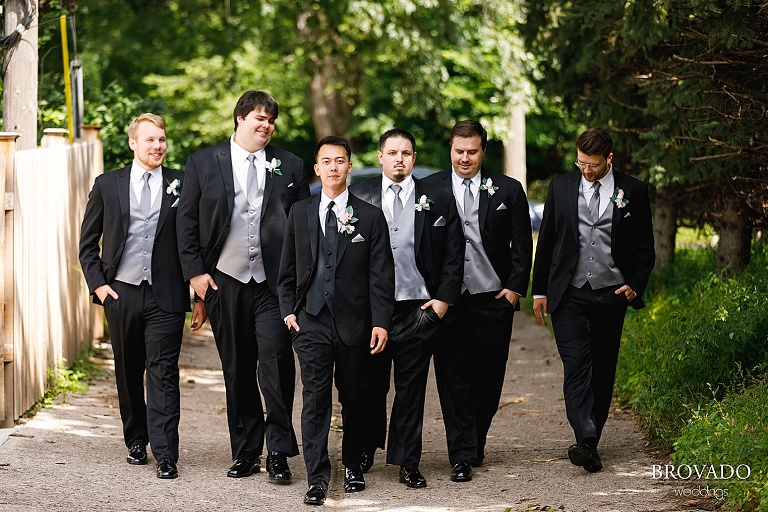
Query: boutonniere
point(273, 167)
point(487, 184)
point(173, 188)
point(346, 219)
point(618, 198)
point(423, 203)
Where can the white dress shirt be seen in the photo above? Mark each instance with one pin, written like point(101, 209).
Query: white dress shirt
point(458, 187)
point(606, 190)
point(137, 181)
point(388, 195)
point(240, 164)
point(339, 205)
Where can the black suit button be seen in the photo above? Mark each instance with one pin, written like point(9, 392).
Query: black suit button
point(327, 266)
point(328, 253)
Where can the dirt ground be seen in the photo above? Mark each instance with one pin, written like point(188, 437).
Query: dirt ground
point(72, 457)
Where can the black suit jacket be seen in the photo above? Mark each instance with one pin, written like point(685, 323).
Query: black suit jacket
point(505, 227)
point(108, 213)
point(365, 275)
point(558, 245)
point(438, 244)
point(208, 198)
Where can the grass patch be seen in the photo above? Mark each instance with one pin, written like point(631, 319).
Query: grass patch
point(65, 380)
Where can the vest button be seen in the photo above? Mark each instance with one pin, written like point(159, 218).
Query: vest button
point(327, 266)
point(466, 223)
point(593, 243)
point(395, 229)
point(328, 253)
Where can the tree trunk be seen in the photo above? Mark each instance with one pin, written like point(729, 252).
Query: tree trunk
point(20, 83)
point(665, 226)
point(733, 249)
point(514, 145)
point(325, 102)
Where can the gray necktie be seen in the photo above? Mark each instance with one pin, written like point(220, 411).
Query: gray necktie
point(594, 202)
point(146, 196)
point(397, 206)
point(468, 198)
point(252, 182)
point(331, 230)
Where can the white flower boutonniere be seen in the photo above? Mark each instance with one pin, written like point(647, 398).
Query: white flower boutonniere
point(618, 198)
point(273, 167)
point(173, 188)
point(423, 203)
point(346, 219)
point(487, 184)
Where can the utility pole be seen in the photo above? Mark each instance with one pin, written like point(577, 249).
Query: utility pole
point(20, 79)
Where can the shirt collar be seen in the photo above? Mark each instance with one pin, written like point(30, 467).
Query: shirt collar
point(606, 182)
point(458, 180)
point(340, 202)
point(137, 172)
point(241, 155)
point(405, 186)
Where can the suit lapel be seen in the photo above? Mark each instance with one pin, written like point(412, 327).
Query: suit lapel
point(166, 199)
point(484, 202)
point(374, 189)
point(573, 202)
point(343, 237)
point(269, 178)
point(420, 216)
point(313, 224)
point(225, 166)
point(124, 193)
point(618, 181)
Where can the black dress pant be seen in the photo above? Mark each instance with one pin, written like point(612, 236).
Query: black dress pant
point(471, 353)
point(255, 351)
point(323, 358)
point(146, 338)
point(587, 325)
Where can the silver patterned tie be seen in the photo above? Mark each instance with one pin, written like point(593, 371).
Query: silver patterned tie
point(397, 206)
point(252, 181)
point(594, 202)
point(468, 198)
point(146, 196)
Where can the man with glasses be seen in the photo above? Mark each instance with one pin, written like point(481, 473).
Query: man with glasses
point(593, 259)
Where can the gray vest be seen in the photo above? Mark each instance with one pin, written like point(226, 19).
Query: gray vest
point(409, 284)
point(241, 254)
point(321, 287)
point(595, 263)
point(136, 262)
point(479, 275)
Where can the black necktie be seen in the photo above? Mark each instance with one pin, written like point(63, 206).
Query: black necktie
point(331, 229)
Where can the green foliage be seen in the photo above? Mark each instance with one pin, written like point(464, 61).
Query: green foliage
point(696, 329)
point(732, 431)
point(65, 380)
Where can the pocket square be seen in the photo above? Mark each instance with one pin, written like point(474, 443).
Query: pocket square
point(290, 184)
point(358, 238)
point(175, 203)
point(439, 222)
point(627, 215)
point(501, 207)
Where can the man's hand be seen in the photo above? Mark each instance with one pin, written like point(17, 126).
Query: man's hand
point(104, 290)
point(379, 339)
point(290, 322)
point(540, 309)
point(512, 297)
point(627, 291)
point(438, 306)
point(201, 283)
point(199, 315)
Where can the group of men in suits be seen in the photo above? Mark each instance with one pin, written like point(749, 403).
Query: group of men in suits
point(358, 281)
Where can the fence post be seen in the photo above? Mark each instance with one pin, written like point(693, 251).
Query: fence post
point(53, 137)
point(7, 152)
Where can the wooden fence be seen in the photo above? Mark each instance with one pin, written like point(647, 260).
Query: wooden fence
point(47, 318)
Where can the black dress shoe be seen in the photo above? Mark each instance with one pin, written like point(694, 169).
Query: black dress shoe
point(366, 461)
point(137, 455)
point(462, 471)
point(583, 455)
point(353, 480)
point(412, 477)
point(277, 466)
point(166, 469)
point(316, 493)
point(244, 466)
